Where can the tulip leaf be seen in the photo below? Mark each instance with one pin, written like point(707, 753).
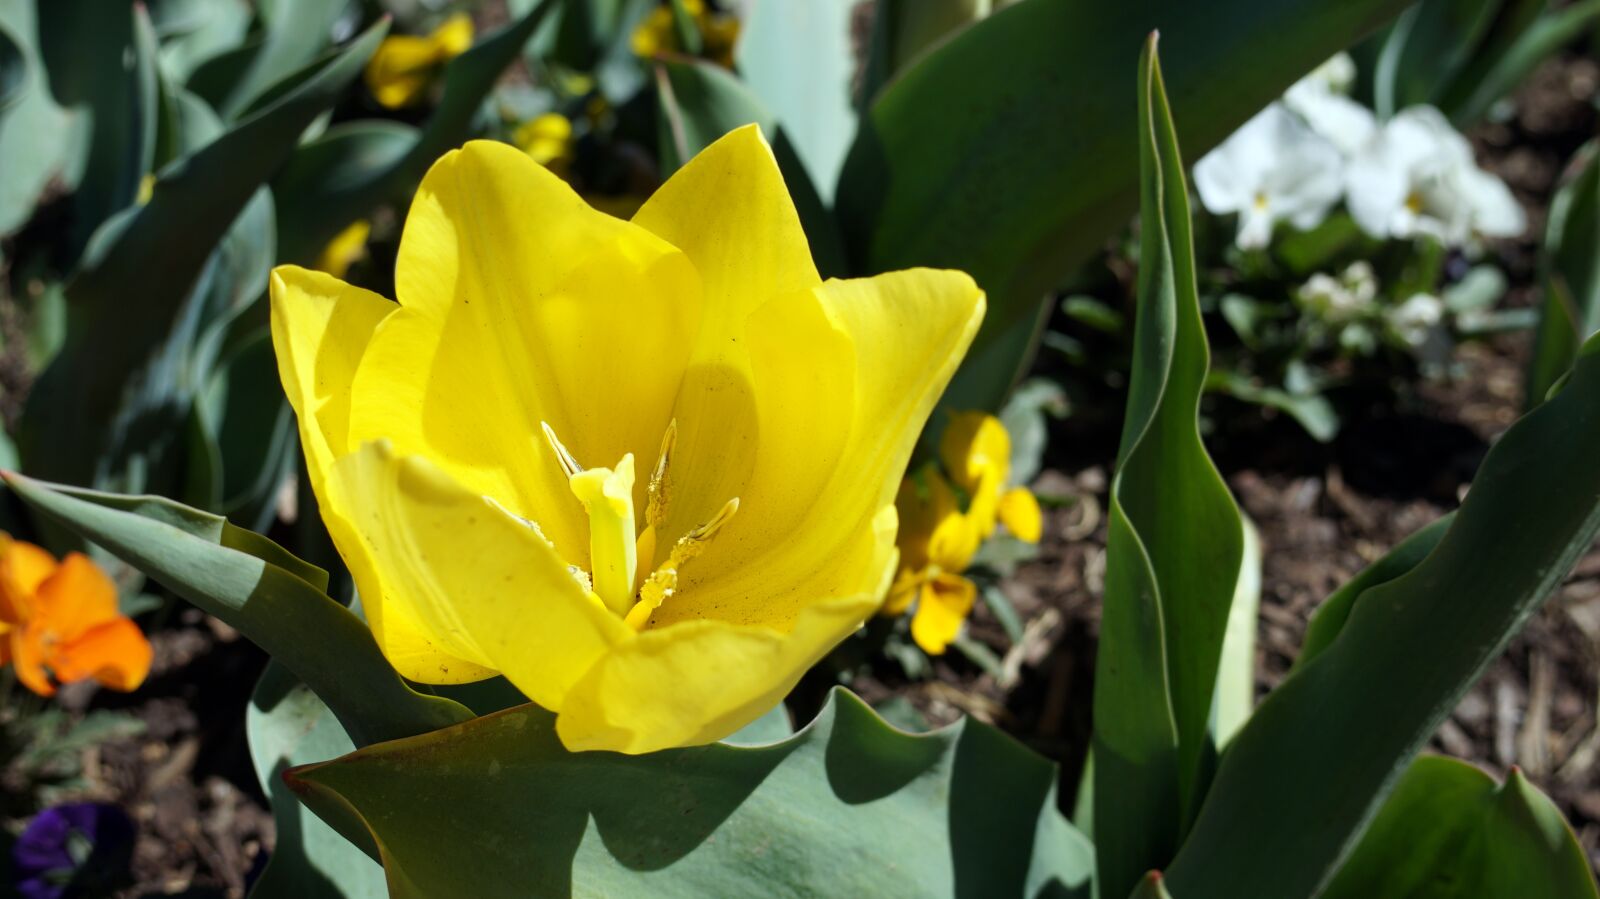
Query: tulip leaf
point(292, 34)
point(1570, 274)
point(1409, 649)
point(1001, 154)
point(104, 410)
point(35, 133)
point(256, 587)
point(1151, 886)
point(288, 725)
point(699, 102)
point(782, 37)
point(363, 172)
point(13, 68)
point(1448, 831)
point(1428, 45)
point(1173, 549)
point(847, 807)
point(1505, 66)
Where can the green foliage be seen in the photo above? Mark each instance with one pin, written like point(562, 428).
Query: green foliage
point(1173, 549)
point(847, 807)
point(1448, 831)
point(1569, 272)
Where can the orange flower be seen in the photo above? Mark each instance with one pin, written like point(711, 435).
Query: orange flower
point(59, 622)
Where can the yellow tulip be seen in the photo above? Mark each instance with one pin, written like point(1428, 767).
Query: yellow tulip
point(346, 247)
point(645, 469)
point(404, 65)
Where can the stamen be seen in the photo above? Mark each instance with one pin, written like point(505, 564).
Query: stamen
point(568, 464)
point(663, 582)
point(656, 509)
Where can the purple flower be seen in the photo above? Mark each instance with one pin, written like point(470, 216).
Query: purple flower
point(79, 849)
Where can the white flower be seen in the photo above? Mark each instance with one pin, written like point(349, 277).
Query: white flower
point(1414, 319)
point(1273, 169)
point(1320, 98)
point(1341, 299)
point(1417, 176)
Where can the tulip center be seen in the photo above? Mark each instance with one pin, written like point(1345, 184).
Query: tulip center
point(619, 553)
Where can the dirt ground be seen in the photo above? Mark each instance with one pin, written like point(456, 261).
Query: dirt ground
point(1323, 512)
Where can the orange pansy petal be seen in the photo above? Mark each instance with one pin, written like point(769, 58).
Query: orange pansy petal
point(116, 654)
point(23, 567)
point(77, 597)
point(27, 657)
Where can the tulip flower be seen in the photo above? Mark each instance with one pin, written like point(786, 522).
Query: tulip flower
point(59, 622)
point(937, 538)
point(344, 249)
point(404, 65)
point(643, 468)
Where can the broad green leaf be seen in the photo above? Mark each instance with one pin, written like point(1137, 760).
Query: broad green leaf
point(13, 68)
point(846, 807)
point(35, 133)
point(781, 38)
point(1236, 673)
point(1151, 886)
point(1173, 548)
point(107, 76)
point(1512, 19)
point(110, 394)
point(258, 588)
point(323, 202)
point(253, 429)
point(1448, 831)
point(1549, 33)
point(1331, 616)
point(700, 102)
point(292, 34)
point(1569, 270)
point(193, 31)
point(1312, 411)
point(1410, 647)
point(1002, 152)
point(287, 726)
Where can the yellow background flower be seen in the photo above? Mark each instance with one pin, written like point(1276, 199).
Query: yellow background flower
point(568, 415)
point(405, 64)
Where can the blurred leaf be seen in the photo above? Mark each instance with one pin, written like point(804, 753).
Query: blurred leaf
point(1248, 316)
point(292, 34)
point(256, 587)
point(287, 726)
point(324, 190)
point(917, 25)
point(107, 76)
point(1026, 418)
point(1004, 612)
point(1569, 272)
point(700, 102)
point(1549, 33)
point(1305, 252)
point(13, 68)
point(1002, 154)
point(1173, 548)
point(1427, 46)
point(1478, 291)
point(1331, 615)
point(1312, 411)
point(252, 427)
point(103, 409)
point(1151, 886)
point(193, 31)
point(1449, 831)
point(1410, 648)
point(1512, 20)
point(846, 807)
point(1094, 313)
point(35, 133)
point(781, 38)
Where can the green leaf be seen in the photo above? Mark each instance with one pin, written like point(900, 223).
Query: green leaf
point(1236, 673)
point(363, 173)
point(1151, 886)
point(1424, 50)
point(700, 102)
point(1450, 832)
point(1569, 270)
point(293, 33)
point(254, 431)
point(113, 391)
point(1174, 545)
point(1549, 33)
point(258, 588)
point(847, 807)
point(1312, 411)
point(783, 37)
point(1409, 649)
point(13, 68)
point(288, 725)
point(193, 31)
point(1026, 418)
point(35, 133)
point(1001, 153)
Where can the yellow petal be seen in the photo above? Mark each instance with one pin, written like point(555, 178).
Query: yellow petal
point(320, 328)
point(728, 210)
point(519, 305)
point(344, 249)
point(401, 69)
point(941, 611)
point(844, 378)
point(1019, 512)
point(975, 444)
point(953, 543)
point(453, 37)
point(925, 500)
point(482, 585)
point(699, 681)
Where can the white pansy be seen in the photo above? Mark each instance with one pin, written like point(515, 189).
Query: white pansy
point(1414, 319)
point(1273, 169)
point(1321, 99)
point(1341, 299)
point(1417, 176)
